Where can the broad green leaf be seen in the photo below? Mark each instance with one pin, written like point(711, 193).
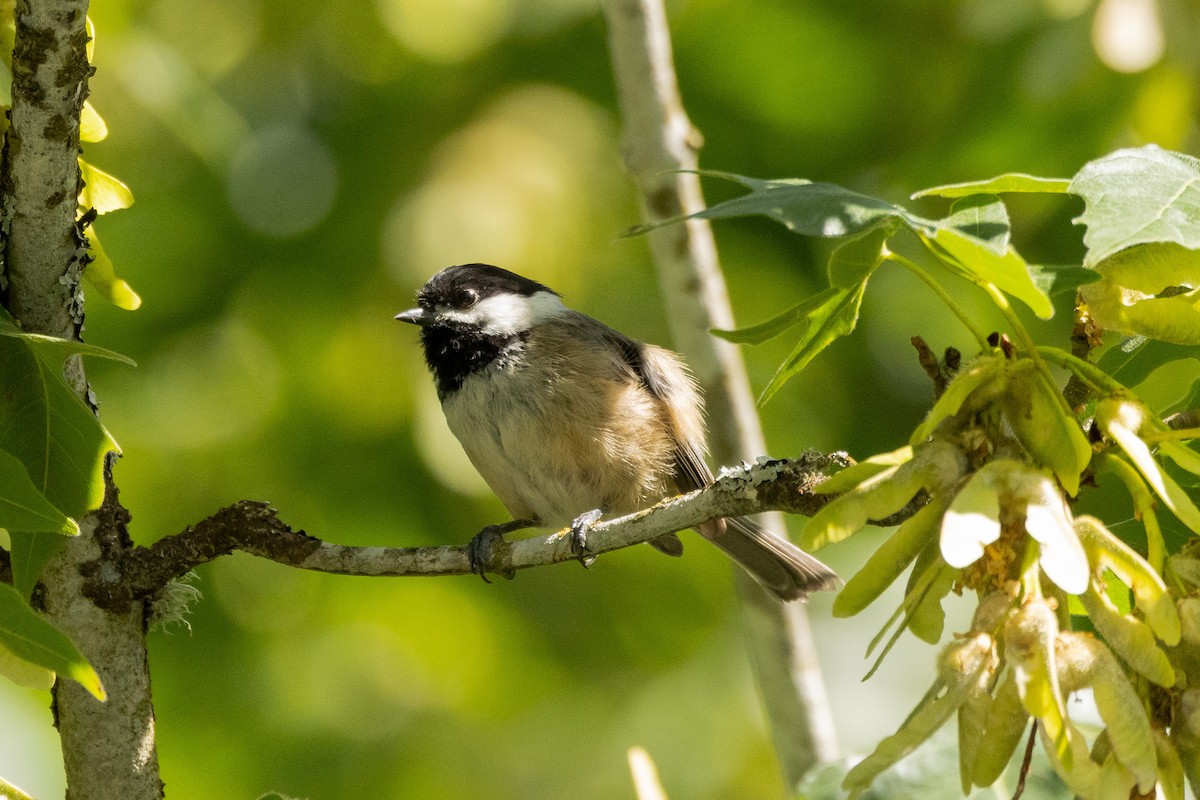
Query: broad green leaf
point(834, 318)
point(1136, 196)
point(55, 347)
point(23, 507)
point(31, 638)
point(30, 554)
point(984, 217)
point(1010, 182)
point(1131, 361)
point(101, 275)
point(854, 261)
point(47, 427)
point(102, 191)
point(1127, 296)
point(977, 260)
point(23, 673)
point(1056, 280)
point(804, 207)
point(91, 125)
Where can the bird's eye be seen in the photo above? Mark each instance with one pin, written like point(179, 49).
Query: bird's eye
point(466, 298)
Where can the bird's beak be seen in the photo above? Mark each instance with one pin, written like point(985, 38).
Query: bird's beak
point(416, 316)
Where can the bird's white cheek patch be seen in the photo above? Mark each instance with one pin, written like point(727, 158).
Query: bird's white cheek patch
point(508, 314)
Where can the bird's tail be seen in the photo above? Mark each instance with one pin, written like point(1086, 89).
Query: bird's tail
point(778, 565)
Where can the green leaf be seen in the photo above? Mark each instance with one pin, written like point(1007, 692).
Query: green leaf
point(834, 318)
point(102, 191)
point(854, 261)
point(804, 207)
point(1010, 182)
point(31, 638)
point(101, 275)
point(984, 217)
point(23, 673)
point(1037, 417)
point(757, 334)
point(47, 427)
point(23, 507)
point(1131, 361)
point(1056, 280)
point(1136, 196)
point(1130, 294)
point(30, 554)
point(977, 260)
point(91, 125)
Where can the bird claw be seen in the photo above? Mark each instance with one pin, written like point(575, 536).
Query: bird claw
point(578, 536)
point(480, 548)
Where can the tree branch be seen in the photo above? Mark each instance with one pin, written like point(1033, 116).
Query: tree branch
point(660, 146)
point(254, 527)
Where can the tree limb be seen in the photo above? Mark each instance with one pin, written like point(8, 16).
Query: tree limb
point(255, 528)
point(660, 147)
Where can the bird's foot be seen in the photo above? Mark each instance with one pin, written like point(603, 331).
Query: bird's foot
point(481, 550)
point(579, 532)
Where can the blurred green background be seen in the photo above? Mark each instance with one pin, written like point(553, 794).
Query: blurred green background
point(301, 167)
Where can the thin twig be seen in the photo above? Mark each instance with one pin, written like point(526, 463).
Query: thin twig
point(1026, 762)
point(255, 528)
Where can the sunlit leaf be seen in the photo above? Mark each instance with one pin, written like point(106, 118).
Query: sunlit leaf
point(983, 217)
point(10, 792)
point(23, 673)
point(1001, 184)
point(977, 260)
point(1136, 196)
point(855, 474)
point(101, 275)
point(972, 522)
point(1130, 295)
point(1121, 420)
point(91, 125)
point(101, 191)
point(1048, 522)
point(31, 638)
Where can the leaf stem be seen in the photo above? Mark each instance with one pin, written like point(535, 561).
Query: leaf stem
point(1099, 380)
point(1022, 334)
point(941, 292)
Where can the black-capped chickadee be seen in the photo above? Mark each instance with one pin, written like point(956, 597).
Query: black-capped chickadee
point(563, 415)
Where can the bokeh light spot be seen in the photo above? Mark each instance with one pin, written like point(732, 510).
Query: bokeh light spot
point(282, 181)
point(1128, 34)
point(446, 31)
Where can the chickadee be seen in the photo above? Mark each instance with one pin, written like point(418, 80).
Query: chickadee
point(563, 415)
